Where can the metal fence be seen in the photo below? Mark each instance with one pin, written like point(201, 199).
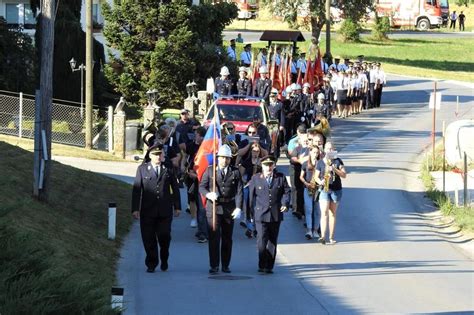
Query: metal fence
point(17, 115)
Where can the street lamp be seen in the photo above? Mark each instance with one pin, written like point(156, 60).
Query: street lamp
point(193, 89)
point(152, 96)
point(81, 68)
point(189, 89)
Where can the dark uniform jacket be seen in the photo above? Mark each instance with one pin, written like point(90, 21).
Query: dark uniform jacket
point(229, 190)
point(269, 199)
point(244, 87)
point(155, 196)
point(223, 87)
point(277, 112)
point(262, 89)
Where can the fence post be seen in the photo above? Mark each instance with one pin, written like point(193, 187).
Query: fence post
point(119, 134)
point(465, 180)
point(112, 220)
point(110, 122)
point(20, 116)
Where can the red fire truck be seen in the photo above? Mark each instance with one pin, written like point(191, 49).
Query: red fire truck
point(248, 9)
point(423, 14)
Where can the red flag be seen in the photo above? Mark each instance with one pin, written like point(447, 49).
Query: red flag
point(318, 70)
point(308, 76)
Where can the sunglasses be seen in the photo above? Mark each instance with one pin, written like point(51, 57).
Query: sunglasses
point(252, 132)
point(230, 128)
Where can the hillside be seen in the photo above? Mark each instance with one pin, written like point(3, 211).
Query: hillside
point(55, 257)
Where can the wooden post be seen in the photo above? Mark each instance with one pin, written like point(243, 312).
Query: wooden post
point(89, 74)
point(46, 91)
point(433, 132)
point(328, 28)
point(119, 134)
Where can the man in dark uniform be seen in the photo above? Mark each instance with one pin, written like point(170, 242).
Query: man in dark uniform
point(155, 194)
point(270, 193)
point(243, 85)
point(275, 108)
point(263, 85)
point(228, 205)
point(223, 84)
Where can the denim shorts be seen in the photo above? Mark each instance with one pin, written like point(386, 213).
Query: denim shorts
point(332, 195)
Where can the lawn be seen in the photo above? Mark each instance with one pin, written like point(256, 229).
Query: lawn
point(55, 257)
point(62, 150)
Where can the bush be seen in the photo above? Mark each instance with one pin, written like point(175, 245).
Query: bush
point(381, 28)
point(350, 31)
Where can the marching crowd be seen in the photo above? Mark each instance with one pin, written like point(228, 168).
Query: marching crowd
point(244, 184)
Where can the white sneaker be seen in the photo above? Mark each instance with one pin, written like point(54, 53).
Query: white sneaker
point(193, 223)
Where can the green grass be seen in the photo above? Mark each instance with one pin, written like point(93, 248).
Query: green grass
point(463, 217)
point(448, 59)
point(55, 257)
point(62, 150)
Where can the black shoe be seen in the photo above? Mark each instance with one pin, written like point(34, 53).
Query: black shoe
point(261, 270)
point(164, 266)
point(213, 270)
point(226, 270)
point(305, 225)
point(322, 240)
point(255, 234)
point(242, 224)
point(269, 271)
point(299, 215)
point(202, 239)
point(151, 269)
point(248, 233)
point(188, 210)
point(319, 231)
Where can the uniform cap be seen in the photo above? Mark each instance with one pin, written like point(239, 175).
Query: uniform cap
point(224, 71)
point(321, 96)
point(184, 111)
point(306, 85)
point(274, 91)
point(263, 69)
point(296, 87)
point(243, 69)
point(248, 46)
point(289, 89)
point(268, 159)
point(224, 151)
point(156, 149)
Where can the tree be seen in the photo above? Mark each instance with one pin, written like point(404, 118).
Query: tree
point(315, 11)
point(17, 60)
point(164, 46)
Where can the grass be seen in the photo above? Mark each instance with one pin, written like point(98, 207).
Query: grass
point(56, 126)
point(55, 257)
point(61, 150)
point(463, 217)
point(448, 59)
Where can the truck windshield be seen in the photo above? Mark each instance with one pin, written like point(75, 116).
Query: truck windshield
point(444, 4)
point(236, 112)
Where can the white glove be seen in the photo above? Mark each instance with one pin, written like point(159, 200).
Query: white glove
point(236, 214)
point(311, 112)
point(302, 119)
point(211, 196)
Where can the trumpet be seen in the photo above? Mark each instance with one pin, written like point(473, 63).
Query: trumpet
point(327, 175)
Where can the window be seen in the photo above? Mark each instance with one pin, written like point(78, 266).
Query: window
point(95, 13)
point(20, 14)
point(236, 112)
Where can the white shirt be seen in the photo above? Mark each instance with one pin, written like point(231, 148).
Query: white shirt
point(342, 83)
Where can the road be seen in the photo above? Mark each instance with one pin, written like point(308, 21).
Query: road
point(254, 36)
point(390, 257)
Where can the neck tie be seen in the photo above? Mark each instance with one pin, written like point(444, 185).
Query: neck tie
point(157, 170)
point(269, 180)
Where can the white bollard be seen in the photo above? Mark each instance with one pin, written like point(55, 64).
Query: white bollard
point(456, 197)
point(117, 299)
point(112, 220)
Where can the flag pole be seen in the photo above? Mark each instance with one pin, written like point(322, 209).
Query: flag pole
point(214, 168)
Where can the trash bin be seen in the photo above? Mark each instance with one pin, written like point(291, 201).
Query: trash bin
point(133, 131)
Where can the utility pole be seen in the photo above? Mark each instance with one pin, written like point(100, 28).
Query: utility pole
point(89, 74)
point(43, 126)
point(328, 28)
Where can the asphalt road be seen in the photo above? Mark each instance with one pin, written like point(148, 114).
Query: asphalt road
point(390, 257)
point(254, 36)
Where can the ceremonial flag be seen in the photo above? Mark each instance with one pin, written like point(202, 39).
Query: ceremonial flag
point(209, 146)
point(318, 69)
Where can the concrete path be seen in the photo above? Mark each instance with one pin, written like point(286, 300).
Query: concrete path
point(391, 257)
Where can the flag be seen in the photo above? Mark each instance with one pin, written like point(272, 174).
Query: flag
point(308, 76)
point(318, 70)
point(209, 146)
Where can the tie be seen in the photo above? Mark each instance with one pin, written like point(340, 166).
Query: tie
point(269, 180)
point(157, 171)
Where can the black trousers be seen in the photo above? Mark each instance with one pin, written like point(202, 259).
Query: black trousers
point(267, 238)
point(372, 95)
point(220, 240)
point(378, 95)
point(156, 231)
point(297, 189)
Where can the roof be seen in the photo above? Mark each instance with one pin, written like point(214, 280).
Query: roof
point(238, 102)
point(283, 36)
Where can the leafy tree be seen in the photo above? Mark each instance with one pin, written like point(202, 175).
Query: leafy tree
point(381, 28)
point(17, 60)
point(290, 10)
point(163, 45)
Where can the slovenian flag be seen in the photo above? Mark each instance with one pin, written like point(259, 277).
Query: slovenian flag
point(209, 146)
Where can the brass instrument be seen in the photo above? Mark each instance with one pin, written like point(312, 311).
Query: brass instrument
point(323, 127)
point(327, 175)
point(313, 184)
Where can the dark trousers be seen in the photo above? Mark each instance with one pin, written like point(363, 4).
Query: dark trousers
point(267, 237)
point(453, 24)
point(461, 25)
point(378, 95)
point(220, 240)
point(372, 95)
point(297, 189)
point(156, 231)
